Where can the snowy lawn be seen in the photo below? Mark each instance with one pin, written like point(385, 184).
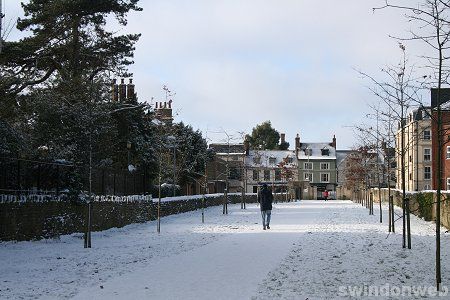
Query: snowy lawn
point(314, 250)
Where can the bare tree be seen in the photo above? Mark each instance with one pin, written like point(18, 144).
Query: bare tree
point(399, 93)
point(433, 29)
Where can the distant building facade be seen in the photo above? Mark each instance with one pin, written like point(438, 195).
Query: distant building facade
point(276, 168)
point(317, 168)
point(226, 168)
point(418, 151)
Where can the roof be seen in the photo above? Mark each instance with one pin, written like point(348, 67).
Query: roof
point(316, 151)
point(265, 155)
point(341, 155)
point(227, 148)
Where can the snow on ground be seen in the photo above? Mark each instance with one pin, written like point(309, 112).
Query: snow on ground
point(314, 250)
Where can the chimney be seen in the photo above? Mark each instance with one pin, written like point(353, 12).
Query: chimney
point(333, 143)
point(156, 105)
point(130, 90)
point(114, 91)
point(170, 103)
point(283, 138)
point(247, 147)
point(122, 90)
point(297, 144)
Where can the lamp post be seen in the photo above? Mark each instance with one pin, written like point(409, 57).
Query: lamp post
point(309, 179)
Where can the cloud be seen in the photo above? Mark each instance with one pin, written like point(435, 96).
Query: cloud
point(234, 63)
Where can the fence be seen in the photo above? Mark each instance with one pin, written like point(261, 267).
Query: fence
point(22, 176)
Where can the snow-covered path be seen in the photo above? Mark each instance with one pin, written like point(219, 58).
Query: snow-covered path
point(315, 250)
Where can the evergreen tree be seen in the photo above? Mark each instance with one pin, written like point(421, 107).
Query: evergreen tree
point(69, 44)
point(54, 87)
point(264, 137)
point(192, 149)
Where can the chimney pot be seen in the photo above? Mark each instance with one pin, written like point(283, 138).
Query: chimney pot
point(247, 147)
point(122, 90)
point(130, 90)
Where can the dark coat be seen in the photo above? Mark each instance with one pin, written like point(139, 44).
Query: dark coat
point(265, 198)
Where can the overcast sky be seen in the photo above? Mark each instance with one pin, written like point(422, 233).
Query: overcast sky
point(237, 63)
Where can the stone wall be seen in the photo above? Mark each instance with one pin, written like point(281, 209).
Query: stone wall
point(421, 204)
point(28, 220)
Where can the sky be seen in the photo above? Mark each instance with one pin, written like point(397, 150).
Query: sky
point(234, 64)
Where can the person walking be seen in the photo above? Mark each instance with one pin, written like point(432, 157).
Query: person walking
point(265, 198)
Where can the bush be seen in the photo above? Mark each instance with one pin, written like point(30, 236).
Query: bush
point(425, 201)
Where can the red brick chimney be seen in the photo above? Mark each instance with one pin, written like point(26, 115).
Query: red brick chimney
point(114, 91)
point(130, 90)
point(122, 90)
point(333, 143)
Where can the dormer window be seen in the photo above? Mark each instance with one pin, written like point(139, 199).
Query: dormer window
point(256, 160)
point(272, 160)
point(325, 152)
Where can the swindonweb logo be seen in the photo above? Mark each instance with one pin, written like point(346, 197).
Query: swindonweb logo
point(388, 290)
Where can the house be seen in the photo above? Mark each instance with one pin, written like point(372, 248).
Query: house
point(342, 163)
point(226, 168)
point(317, 168)
point(417, 151)
point(277, 168)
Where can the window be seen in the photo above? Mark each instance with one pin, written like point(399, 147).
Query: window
point(324, 166)
point(308, 166)
point(325, 152)
point(448, 152)
point(234, 174)
point(324, 177)
point(427, 187)
point(410, 176)
point(255, 175)
point(266, 174)
point(272, 160)
point(427, 134)
point(427, 154)
point(427, 173)
point(448, 183)
point(277, 175)
point(257, 160)
point(308, 177)
point(290, 160)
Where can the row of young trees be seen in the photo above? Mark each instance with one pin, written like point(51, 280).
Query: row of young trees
point(56, 103)
point(400, 90)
